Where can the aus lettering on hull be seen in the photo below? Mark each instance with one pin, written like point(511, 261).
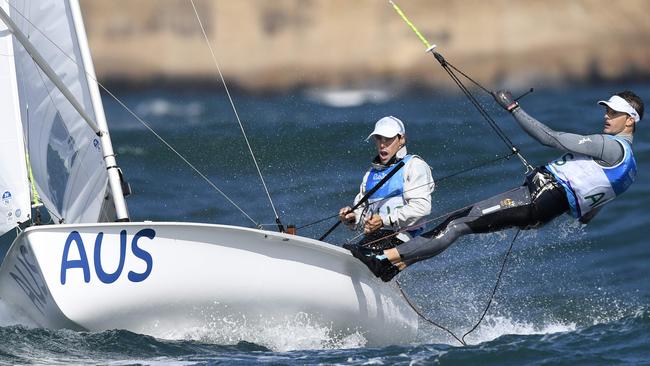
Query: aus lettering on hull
point(82, 263)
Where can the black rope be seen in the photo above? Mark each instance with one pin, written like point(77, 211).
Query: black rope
point(467, 77)
point(417, 311)
point(496, 285)
point(461, 340)
point(317, 221)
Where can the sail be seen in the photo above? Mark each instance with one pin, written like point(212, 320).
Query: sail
point(65, 153)
point(14, 186)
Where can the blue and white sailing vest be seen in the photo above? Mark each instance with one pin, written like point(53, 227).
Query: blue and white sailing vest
point(390, 196)
point(588, 184)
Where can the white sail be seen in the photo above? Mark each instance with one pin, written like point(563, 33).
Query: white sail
point(14, 186)
point(65, 154)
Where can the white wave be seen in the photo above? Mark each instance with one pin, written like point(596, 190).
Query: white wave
point(130, 150)
point(494, 327)
point(280, 335)
point(162, 107)
point(345, 98)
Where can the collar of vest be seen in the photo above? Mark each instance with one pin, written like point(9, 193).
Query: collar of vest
point(401, 153)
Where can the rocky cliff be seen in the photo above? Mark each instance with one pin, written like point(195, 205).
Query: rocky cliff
point(288, 43)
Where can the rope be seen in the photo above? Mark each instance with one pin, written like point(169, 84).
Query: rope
point(468, 78)
point(137, 118)
point(317, 221)
point(496, 285)
point(461, 340)
point(423, 317)
point(232, 104)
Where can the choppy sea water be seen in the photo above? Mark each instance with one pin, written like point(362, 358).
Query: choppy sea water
point(569, 295)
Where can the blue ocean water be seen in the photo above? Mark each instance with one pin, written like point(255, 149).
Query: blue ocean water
point(569, 295)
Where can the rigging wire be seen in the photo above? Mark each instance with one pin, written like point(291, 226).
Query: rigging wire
point(137, 118)
point(232, 104)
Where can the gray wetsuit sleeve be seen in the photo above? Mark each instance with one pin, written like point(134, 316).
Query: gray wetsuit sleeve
point(597, 146)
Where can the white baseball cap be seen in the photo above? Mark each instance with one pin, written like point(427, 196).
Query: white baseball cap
point(388, 127)
point(621, 105)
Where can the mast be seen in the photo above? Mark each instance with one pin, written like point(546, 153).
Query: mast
point(114, 172)
point(99, 127)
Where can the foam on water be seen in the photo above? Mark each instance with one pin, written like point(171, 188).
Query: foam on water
point(131, 150)
point(494, 327)
point(280, 335)
point(345, 98)
point(161, 107)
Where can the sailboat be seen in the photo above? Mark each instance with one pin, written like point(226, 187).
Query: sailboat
point(93, 269)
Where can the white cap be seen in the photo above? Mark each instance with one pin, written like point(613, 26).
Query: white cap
point(621, 105)
point(388, 127)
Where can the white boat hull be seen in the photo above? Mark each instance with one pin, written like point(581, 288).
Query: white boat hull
point(163, 279)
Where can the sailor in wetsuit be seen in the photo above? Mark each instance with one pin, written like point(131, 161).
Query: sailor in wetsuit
point(401, 203)
point(593, 170)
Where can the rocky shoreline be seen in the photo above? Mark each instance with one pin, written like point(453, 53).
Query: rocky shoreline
point(283, 44)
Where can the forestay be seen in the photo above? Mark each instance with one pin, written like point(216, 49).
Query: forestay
point(65, 154)
point(14, 186)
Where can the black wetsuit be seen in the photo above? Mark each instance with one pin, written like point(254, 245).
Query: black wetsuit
point(540, 199)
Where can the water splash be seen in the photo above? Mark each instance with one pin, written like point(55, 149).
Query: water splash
point(494, 327)
point(281, 335)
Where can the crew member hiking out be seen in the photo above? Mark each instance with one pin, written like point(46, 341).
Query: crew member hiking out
point(593, 170)
point(393, 212)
